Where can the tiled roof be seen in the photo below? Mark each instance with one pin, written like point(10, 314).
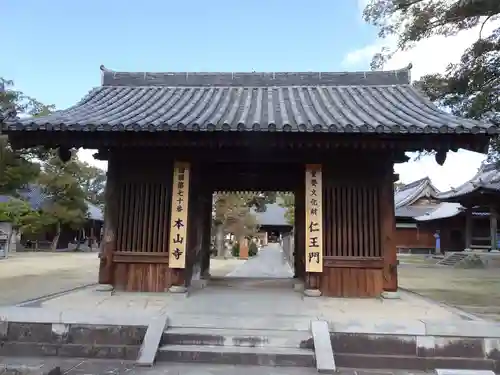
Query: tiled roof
point(412, 211)
point(409, 193)
point(487, 178)
point(358, 102)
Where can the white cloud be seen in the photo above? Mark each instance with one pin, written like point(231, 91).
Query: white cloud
point(429, 56)
point(459, 167)
point(87, 156)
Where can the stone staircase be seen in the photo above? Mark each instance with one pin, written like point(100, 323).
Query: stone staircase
point(453, 259)
point(263, 347)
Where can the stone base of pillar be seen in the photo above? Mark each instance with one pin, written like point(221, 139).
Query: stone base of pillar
point(298, 286)
point(390, 295)
point(104, 288)
point(177, 289)
point(312, 293)
point(199, 284)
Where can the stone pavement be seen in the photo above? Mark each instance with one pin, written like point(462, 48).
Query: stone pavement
point(235, 298)
point(270, 262)
point(39, 366)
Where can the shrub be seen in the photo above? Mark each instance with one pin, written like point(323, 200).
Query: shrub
point(252, 249)
point(236, 250)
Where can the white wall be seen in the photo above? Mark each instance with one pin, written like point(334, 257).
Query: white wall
point(5, 229)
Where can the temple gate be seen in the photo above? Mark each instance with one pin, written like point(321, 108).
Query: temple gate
point(172, 139)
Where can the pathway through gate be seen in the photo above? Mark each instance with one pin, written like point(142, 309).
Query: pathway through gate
point(270, 262)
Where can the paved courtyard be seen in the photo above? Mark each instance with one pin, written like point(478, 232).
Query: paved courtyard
point(26, 276)
point(247, 295)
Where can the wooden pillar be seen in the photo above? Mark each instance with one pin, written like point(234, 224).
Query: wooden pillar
point(112, 203)
point(468, 228)
point(493, 228)
point(207, 234)
point(388, 230)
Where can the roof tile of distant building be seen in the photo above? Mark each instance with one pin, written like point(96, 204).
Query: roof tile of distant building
point(379, 102)
point(407, 194)
point(487, 178)
point(36, 198)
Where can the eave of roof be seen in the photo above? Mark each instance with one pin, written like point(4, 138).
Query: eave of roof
point(358, 102)
point(412, 211)
point(443, 211)
point(486, 179)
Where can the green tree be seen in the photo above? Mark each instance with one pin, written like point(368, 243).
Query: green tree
point(232, 213)
point(469, 88)
point(18, 167)
point(65, 205)
point(287, 200)
point(16, 170)
point(93, 181)
point(21, 216)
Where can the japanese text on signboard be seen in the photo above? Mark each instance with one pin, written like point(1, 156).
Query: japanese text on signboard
point(179, 216)
point(314, 219)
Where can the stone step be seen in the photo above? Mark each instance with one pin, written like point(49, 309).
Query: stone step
point(237, 355)
point(243, 321)
point(453, 259)
point(234, 337)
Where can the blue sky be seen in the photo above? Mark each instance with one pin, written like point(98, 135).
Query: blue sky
point(55, 47)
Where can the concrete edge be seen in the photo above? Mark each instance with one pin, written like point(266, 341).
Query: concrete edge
point(481, 329)
point(43, 315)
point(462, 372)
point(48, 297)
point(463, 314)
point(152, 339)
point(323, 352)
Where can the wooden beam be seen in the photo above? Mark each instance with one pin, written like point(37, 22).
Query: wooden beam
point(493, 228)
point(468, 227)
point(219, 140)
point(108, 245)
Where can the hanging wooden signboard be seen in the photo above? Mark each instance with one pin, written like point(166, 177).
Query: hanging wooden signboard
point(179, 216)
point(314, 219)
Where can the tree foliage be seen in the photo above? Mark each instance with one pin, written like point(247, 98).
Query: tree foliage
point(65, 186)
point(233, 212)
point(21, 216)
point(92, 181)
point(16, 170)
point(288, 201)
point(65, 204)
point(411, 21)
point(469, 88)
point(18, 167)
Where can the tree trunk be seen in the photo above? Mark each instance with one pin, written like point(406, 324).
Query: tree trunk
point(55, 240)
point(219, 240)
